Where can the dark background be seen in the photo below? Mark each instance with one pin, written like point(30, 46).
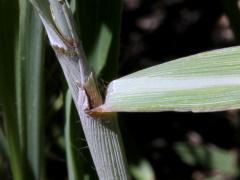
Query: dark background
point(156, 31)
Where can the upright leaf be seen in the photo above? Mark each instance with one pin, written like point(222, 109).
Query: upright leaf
point(75, 168)
point(99, 23)
point(8, 31)
point(29, 65)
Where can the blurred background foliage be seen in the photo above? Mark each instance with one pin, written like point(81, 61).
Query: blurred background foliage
point(158, 145)
point(181, 145)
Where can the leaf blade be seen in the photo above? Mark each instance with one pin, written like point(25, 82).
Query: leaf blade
point(100, 34)
point(8, 36)
point(74, 165)
point(200, 83)
point(29, 86)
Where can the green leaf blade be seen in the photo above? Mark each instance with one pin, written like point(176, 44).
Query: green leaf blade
point(8, 38)
point(99, 25)
point(74, 165)
point(29, 87)
point(204, 82)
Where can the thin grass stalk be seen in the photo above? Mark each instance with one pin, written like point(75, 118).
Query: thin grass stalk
point(102, 133)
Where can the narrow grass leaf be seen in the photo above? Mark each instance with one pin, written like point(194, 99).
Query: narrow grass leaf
point(8, 31)
point(75, 170)
point(99, 24)
point(29, 66)
point(203, 82)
